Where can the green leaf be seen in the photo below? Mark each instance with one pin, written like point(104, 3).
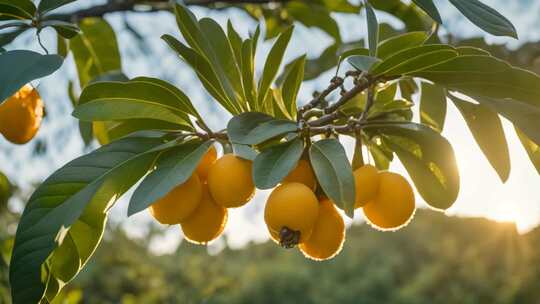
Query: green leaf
point(61, 46)
point(532, 149)
point(398, 43)
point(523, 115)
point(244, 151)
point(252, 128)
point(204, 71)
point(95, 50)
point(7, 37)
point(67, 30)
point(485, 17)
point(363, 63)
point(248, 72)
point(313, 15)
point(197, 35)
point(373, 29)
point(136, 99)
point(430, 8)
point(49, 5)
point(272, 165)
point(291, 85)
point(487, 130)
point(480, 75)
point(173, 168)
point(224, 55)
point(17, 9)
point(414, 59)
point(24, 66)
point(433, 106)
point(352, 52)
point(334, 173)
point(63, 221)
point(427, 156)
point(273, 62)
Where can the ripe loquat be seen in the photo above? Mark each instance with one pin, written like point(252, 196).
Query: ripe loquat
point(179, 203)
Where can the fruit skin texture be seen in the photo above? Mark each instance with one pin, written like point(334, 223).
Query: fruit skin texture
point(294, 206)
point(328, 236)
point(207, 222)
point(230, 181)
point(394, 205)
point(366, 180)
point(302, 173)
point(21, 115)
point(206, 162)
point(178, 204)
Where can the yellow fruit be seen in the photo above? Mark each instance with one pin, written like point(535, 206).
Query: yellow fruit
point(178, 204)
point(302, 173)
point(394, 205)
point(230, 182)
point(366, 180)
point(21, 115)
point(206, 162)
point(290, 213)
point(328, 234)
point(207, 222)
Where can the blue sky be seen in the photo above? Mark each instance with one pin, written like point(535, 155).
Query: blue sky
point(482, 194)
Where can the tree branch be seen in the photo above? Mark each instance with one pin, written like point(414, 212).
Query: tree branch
point(145, 7)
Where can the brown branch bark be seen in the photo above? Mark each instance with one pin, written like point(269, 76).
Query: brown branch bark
point(148, 6)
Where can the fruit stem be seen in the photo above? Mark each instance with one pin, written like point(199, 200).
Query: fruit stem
point(289, 238)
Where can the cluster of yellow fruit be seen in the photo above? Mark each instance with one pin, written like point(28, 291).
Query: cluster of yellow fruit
point(200, 204)
point(21, 115)
point(294, 214)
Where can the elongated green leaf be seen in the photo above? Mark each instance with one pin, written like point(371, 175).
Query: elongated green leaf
point(235, 41)
point(532, 149)
point(248, 74)
point(253, 128)
point(373, 30)
point(334, 173)
point(480, 75)
point(225, 56)
point(64, 219)
point(273, 62)
point(291, 85)
point(523, 115)
point(427, 156)
point(433, 106)
point(352, 52)
point(6, 37)
point(173, 168)
point(412, 59)
point(272, 165)
point(95, 50)
point(49, 5)
point(204, 71)
point(313, 15)
point(206, 40)
point(67, 30)
point(430, 8)
point(363, 63)
point(244, 151)
point(17, 9)
point(136, 99)
point(487, 130)
point(23, 67)
point(398, 43)
point(485, 17)
point(421, 62)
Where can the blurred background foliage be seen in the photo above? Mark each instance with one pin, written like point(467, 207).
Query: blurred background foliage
point(436, 259)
